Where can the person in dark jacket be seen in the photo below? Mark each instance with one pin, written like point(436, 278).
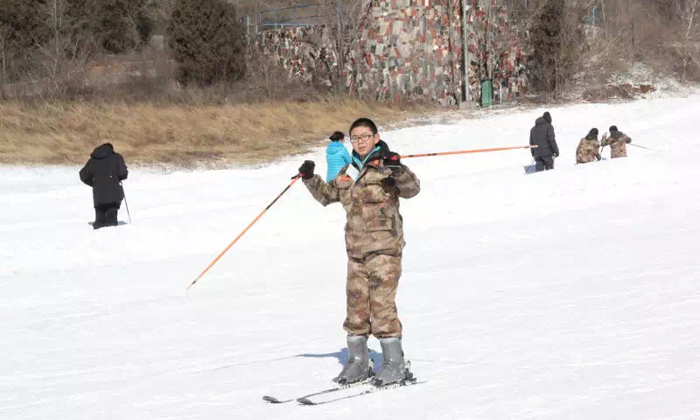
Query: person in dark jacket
point(104, 172)
point(542, 136)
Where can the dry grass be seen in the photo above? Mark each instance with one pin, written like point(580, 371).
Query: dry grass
point(182, 136)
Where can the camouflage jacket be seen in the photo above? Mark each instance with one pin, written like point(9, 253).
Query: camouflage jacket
point(587, 151)
point(618, 144)
point(374, 224)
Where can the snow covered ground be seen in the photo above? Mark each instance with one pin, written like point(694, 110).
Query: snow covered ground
point(571, 294)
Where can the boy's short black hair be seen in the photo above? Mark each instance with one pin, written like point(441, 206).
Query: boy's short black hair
point(364, 122)
point(337, 136)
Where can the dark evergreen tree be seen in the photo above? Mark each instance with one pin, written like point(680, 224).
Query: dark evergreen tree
point(114, 26)
point(22, 29)
point(208, 41)
point(125, 24)
point(546, 40)
point(26, 21)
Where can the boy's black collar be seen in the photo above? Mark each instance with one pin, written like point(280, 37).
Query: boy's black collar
point(383, 151)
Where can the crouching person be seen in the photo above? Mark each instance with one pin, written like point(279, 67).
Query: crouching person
point(588, 149)
point(369, 189)
point(617, 141)
point(104, 172)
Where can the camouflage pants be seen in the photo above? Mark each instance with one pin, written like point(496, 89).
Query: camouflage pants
point(371, 296)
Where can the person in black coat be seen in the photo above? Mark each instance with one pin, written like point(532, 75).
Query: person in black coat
point(542, 136)
point(104, 172)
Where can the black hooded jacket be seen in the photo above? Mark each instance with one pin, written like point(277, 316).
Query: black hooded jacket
point(104, 172)
point(542, 136)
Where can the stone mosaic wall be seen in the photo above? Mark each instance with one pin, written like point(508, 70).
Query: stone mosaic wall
point(305, 53)
point(404, 52)
point(409, 49)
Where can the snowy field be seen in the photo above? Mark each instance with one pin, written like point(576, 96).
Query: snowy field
point(571, 294)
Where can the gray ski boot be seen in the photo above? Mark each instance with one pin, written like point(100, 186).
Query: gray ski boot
point(359, 365)
point(394, 369)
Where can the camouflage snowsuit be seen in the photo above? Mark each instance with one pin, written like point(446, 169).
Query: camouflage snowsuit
point(587, 151)
point(374, 242)
point(618, 144)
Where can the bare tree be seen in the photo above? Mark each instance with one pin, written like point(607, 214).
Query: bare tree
point(5, 33)
point(55, 52)
point(344, 19)
point(497, 34)
point(691, 33)
point(65, 54)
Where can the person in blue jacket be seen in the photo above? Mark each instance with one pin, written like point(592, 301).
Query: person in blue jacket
point(337, 155)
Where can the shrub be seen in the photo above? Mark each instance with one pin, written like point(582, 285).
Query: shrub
point(22, 27)
point(207, 41)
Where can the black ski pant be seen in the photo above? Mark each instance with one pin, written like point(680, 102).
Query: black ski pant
point(106, 215)
point(544, 163)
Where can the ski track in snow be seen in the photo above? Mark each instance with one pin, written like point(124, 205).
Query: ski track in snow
point(568, 294)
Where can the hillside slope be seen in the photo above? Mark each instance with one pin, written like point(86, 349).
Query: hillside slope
point(567, 294)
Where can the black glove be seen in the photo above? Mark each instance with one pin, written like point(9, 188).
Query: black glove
point(306, 170)
point(556, 155)
point(388, 184)
point(392, 159)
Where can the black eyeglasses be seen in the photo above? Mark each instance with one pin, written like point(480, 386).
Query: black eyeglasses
point(364, 137)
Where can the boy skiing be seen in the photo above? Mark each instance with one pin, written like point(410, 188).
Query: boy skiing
point(369, 189)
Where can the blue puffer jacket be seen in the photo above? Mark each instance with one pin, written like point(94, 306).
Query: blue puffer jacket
point(337, 157)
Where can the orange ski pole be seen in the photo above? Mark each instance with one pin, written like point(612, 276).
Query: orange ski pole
point(461, 152)
point(294, 179)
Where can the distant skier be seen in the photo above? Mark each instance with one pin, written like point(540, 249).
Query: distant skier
point(588, 148)
point(542, 136)
point(618, 142)
point(337, 155)
point(104, 172)
point(369, 190)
